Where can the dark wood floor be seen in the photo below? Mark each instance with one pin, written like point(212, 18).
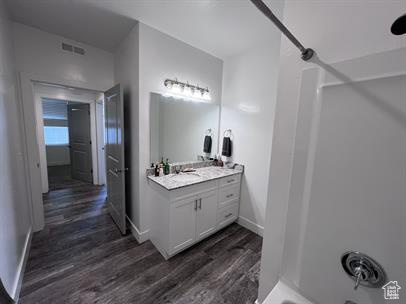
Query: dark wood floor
point(81, 257)
point(60, 177)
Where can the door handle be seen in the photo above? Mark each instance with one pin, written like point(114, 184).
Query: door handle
point(195, 205)
point(120, 170)
point(200, 204)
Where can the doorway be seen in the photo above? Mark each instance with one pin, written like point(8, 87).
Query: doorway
point(70, 131)
point(33, 89)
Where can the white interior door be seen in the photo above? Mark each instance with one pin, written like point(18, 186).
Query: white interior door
point(114, 147)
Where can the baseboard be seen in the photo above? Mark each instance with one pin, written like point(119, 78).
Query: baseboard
point(141, 237)
point(250, 225)
point(61, 163)
point(21, 267)
point(257, 301)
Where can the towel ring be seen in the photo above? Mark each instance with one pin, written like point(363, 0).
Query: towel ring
point(228, 133)
point(208, 132)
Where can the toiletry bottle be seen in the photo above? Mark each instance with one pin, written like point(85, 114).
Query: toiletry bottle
point(220, 161)
point(167, 167)
point(161, 170)
point(157, 169)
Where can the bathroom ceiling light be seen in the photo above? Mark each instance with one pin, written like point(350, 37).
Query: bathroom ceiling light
point(186, 91)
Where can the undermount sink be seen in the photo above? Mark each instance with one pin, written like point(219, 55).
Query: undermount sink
point(185, 177)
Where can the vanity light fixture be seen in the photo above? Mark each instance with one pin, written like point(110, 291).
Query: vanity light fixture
point(186, 91)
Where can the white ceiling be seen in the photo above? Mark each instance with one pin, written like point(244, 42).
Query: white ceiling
point(73, 19)
point(219, 27)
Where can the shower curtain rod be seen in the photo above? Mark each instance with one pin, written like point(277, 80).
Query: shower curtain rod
point(307, 53)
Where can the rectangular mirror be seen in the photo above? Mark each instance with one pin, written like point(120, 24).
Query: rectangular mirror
point(182, 130)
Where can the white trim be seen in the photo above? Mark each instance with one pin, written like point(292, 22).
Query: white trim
point(31, 142)
point(257, 301)
point(141, 237)
point(101, 156)
point(250, 225)
point(21, 267)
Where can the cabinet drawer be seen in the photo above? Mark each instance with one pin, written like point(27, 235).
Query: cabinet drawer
point(187, 191)
point(228, 195)
point(229, 180)
point(227, 215)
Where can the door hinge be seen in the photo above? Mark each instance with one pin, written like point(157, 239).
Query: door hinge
point(90, 142)
point(91, 170)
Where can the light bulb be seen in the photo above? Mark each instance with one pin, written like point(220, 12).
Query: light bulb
point(206, 95)
point(187, 91)
point(197, 94)
point(176, 88)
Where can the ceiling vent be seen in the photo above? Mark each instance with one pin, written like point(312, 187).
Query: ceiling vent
point(67, 47)
point(73, 49)
point(78, 50)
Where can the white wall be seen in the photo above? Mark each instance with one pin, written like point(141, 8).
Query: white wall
point(15, 222)
point(57, 155)
point(126, 72)
point(40, 52)
point(248, 105)
point(158, 57)
point(337, 31)
point(161, 57)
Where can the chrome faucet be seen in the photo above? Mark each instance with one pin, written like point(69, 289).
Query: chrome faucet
point(363, 269)
point(359, 275)
point(200, 157)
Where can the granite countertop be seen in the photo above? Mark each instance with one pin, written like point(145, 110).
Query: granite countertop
point(175, 181)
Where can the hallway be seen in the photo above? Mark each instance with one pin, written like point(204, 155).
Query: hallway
point(81, 257)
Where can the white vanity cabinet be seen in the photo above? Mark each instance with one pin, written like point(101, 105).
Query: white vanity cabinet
point(184, 216)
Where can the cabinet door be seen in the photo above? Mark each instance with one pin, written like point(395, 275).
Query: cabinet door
point(206, 214)
point(182, 225)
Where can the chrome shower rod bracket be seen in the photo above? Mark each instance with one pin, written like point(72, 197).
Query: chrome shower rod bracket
point(307, 53)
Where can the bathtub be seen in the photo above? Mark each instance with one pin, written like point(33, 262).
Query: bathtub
point(283, 294)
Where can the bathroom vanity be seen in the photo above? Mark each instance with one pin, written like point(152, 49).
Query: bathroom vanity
point(188, 207)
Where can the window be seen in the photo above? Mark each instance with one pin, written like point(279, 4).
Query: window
point(56, 135)
point(54, 109)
